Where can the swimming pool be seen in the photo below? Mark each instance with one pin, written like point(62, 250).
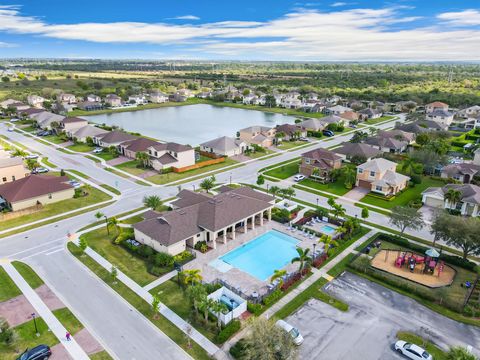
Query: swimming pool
point(327, 229)
point(264, 254)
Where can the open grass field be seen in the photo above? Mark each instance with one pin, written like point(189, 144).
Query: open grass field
point(131, 167)
point(284, 171)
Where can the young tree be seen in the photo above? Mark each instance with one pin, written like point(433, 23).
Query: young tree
point(207, 184)
point(274, 190)
point(350, 176)
point(218, 308)
point(365, 213)
point(195, 294)
point(32, 164)
point(278, 275)
point(153, 202)
point(143, 158)
point(404, 217)
point(191, 277)
point(205, 305)
point(155, 306)
point(303, 259)
point(82, 244)
point(270, 101)
point(19, 153)
point(114, 274)
point(460, 353)
point(328, 242)
point(113, 222)
point(8, 336)
point(260, 180)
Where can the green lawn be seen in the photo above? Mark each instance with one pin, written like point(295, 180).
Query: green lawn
point(102, 355)
point(54, 139)
point(134, 267)
point(435, 351)
point(8, 289)
point(284, 171)
point(48, 163)
point(81, 147)
point(313, 291)
point(141, 305)
point(402, 199)
point(286, 145)
point(106, 156)
point(257, 154)
point(68, 320)
point(111, 189)
point(58, 208)
point(337, 187)
point(28, 274)
point(175, 298)
point(380, 119)
point(170, 177)
point(131, 167)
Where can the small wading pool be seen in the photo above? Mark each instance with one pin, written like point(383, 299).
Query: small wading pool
point(264, 254)
point(327, 229)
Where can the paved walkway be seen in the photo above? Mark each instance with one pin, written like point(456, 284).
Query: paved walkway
point(42, 310)
point(160, 280)
point(196, 336)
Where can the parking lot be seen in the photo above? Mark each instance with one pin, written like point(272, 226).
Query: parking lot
point(368, 329)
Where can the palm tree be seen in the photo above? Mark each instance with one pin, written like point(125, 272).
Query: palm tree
point(328, 242)
point(207, 184)
point(196, 293)
point(453, 196)
point(191, 277)
point(350, 176)
point(409, 166)
point(315, 172)
point(338, 211)
point(20, 153)
point(32, 164)
point(460, 353)
point(99, 215)
point(153, 202)
point(218, 308)
point(278, 274)
point(143, 158)
point(289, 192)
point(113, 222)
point(274, 190)
point(303, 259)
point(205, 306)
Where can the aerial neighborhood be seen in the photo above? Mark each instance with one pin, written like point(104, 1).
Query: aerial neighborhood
point(221, 213)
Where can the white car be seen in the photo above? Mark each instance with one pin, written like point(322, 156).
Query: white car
point(294, 333)
point(14, 120)
point(299, 177)
point(40, 170)
point(97, 150)
point(412, 351)
point(31, 156)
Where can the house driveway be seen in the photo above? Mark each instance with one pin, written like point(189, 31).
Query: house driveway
point(118, 160)
point(356, 193)
point(428, 213)
point(368, 329)
point(240, 158)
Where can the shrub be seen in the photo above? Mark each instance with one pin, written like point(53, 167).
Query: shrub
point(156, 270)
point(315, 134)
point(124, 235)
point(238, 350)
point(255, 309)
point(416, 179)
point(280, 215)
point(145, 251)
point(183, 257)
point(163, 259)
point(201, 246)
point(77, 193)
point(228, 331)
point(273, 297)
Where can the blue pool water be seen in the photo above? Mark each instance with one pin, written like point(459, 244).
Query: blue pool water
point(327, 229)
point(264, 254)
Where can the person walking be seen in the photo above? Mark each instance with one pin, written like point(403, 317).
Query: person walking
point(68, 336)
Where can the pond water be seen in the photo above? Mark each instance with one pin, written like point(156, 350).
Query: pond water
point(190, 124)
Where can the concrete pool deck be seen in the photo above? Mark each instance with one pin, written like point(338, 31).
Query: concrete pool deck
point(238, 279)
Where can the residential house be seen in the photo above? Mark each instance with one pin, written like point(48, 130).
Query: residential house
point(251, 99)
point(157, 97)
point(35, 101)
point(290, 132)
point(259, 135)
point(11, 169)
point(380, 176)
point(85, 132)
point(469, 204)
point(94, 98)
point(471, 111)
point(387, 144)
point(350, 116)
point(224, 146)
point(35, 190)
point(113, 100)
point(291, 100)
point(461, 172)
point(435, 106)
point(45, 119)
point(204, 95)
point(337, 110)
point(177, 97)
point(333, 119)
point(66, 98)
point(5, 104)
point(421, 126)
point(349, 150)
point(398, 134)
point(29, 112)
point(312, 125)
point(370, 113)
point(72, 124)
point(356, 104)
point(440, 116)
point(89, 105)
point(186, 93)
point(137, 99)
point(19, 107)
point(211, 219)
point(130, 148)
point(112, 138)
point(319, 163)
point(171, 155)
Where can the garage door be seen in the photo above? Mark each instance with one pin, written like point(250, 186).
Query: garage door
point(365, 184)
point(434, 202)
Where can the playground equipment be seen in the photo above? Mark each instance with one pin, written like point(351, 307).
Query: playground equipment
point(430, 261)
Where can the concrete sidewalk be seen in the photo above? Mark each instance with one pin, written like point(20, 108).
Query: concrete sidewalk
point(43, 311)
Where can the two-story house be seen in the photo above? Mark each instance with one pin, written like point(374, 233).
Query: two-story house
point(380, 176)
point(319, 163)
point(259, 135)
point(66, 98)
point(137, 99)
point(113, 100)
point(157, 97)
point(440, 116)
point(11, 169)
point(168, 155)
point(35, 101)
point(468, 205)
point(94, 98)
point(434, 106)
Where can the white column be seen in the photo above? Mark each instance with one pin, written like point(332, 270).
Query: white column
point(253, 222)
point(214, 240)
point(225, 236)
point(245, 225)
point(261, 218)
point(270, 214)
point(233, 232)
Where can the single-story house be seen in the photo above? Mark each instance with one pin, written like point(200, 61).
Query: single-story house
point(72, 124)
point(370, 113)
point(333, 119)
point(11, 169)
point(380, 176)
point(216, 218)
point(318, 164)
point(112, 138)
point(398, 134)
point(5, 104)
point(260, 135)
point(461, 172)
point(387, 144)
point(337, 110)
point(224, 146)
point(440, 116)
point(164, 156)
point(365, 151)
point(469, 204)
point(312, 125)
point(87, 131)
point(421, 126)
point(290, 131)
point(45, 119)
point(90, 105)
point(34, 190)
point(30, 111)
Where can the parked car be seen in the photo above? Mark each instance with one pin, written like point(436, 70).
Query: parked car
point(97, 150)
point(44, 133)
point(328, 133)
point(40, 352)
point(304, 139)
point(299, 177)
point(294, 333)
point(40, 170)
point(14, 120)
point(11, 128)
point(353, 126)
point(412, 351)
point(75, 183)
point(31, 156)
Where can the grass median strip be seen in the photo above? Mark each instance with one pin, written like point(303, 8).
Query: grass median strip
point(111, 189)
point(30, 276)
point(162, 323)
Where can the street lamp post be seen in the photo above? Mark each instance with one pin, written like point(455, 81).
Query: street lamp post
point(267, 188)
point(106, 223)
point(193, 187)
point(314, 246)
point(317, 202)
point(35, 323)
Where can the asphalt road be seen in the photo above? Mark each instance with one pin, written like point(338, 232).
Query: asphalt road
point(113, 321)
point(368, 329)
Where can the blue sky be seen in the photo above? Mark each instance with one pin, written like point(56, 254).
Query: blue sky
point(418, 30)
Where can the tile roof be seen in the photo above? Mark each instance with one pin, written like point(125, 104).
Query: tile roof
point(116, 136)
point(470, 193)
point(33, 186)
point(224, 143)
point(321, 154)
point(361, 149)
point(379, 164)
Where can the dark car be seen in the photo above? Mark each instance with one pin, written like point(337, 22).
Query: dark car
point(40, 352)
point(328, 133)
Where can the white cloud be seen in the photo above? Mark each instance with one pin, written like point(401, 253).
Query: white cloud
point(186, 17)
point(470, 17)
point(354, 34)
point(7, 45)
point(338, 4)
